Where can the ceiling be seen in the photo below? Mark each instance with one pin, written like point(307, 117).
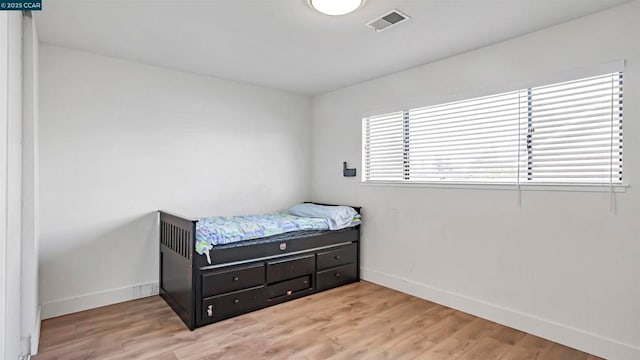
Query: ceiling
point(285, 44)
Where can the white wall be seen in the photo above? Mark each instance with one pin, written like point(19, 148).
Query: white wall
point(562, 265)
point(119, 140)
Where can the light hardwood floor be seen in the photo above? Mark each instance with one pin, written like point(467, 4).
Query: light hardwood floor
point(358, 321)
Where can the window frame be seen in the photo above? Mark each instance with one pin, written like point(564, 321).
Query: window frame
point(574, 75)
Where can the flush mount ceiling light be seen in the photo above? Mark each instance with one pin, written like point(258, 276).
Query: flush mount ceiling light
point(335, 7)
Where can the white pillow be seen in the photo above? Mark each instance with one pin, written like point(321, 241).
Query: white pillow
point(339, 217)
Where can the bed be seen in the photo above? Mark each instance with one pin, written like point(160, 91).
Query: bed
point(238, 277)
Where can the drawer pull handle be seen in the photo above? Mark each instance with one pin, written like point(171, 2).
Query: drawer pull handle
point(337, 275)
point(289, 292)
point(235, 278)
point(337, 257)
point(235, 301)
point(210, 310)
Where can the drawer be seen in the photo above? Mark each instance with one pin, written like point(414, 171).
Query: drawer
point(340, 256)
point(232, 278)
point(289, 287)
point(337, 276)
point(224, 306)
point(291, 267)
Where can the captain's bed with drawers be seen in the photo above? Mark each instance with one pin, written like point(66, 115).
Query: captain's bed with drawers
point(215, 268)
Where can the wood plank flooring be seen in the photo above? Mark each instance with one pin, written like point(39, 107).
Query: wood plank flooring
point(358, 321)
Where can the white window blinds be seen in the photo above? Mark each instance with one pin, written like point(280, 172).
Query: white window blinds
point(384, 139)
point(564, 133)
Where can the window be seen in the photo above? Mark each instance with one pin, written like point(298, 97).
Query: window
point(564, 133)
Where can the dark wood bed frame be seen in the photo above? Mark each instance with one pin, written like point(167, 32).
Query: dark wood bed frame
point(242, 279)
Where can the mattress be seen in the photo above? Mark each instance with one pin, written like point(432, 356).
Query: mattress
point(275, 238)
point(224, 230)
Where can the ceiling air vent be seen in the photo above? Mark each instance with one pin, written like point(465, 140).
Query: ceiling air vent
point(390, 19)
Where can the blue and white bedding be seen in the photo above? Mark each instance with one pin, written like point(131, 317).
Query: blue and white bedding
point(222, 230)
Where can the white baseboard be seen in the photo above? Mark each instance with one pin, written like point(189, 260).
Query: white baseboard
point(560, 333)
point(97, 299)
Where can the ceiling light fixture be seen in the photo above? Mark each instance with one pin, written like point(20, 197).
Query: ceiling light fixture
point(335, 7)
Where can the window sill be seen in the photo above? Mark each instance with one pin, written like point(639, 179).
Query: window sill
point(617, 188)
